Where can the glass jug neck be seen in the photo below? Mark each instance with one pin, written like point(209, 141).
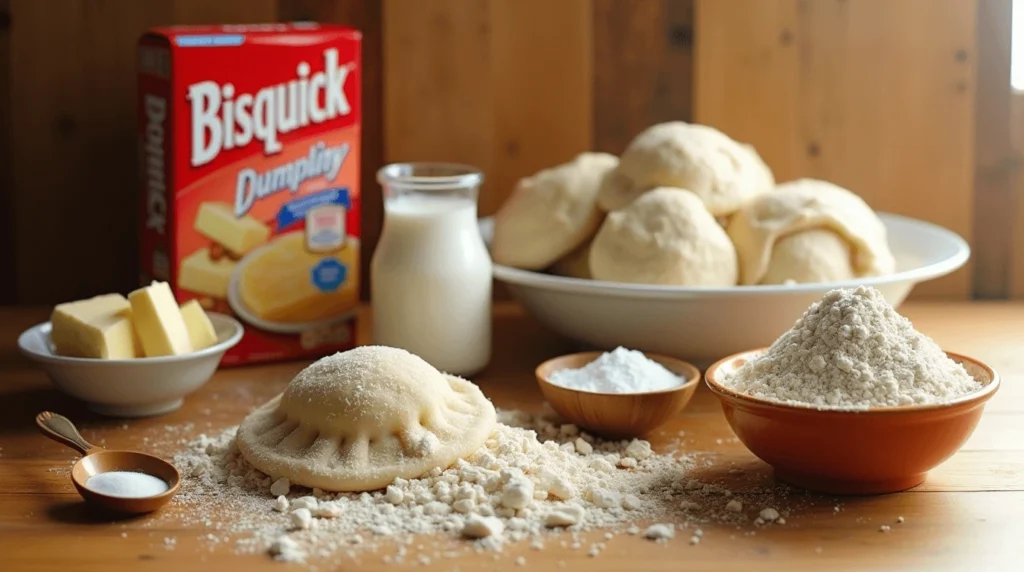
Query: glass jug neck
point(431, 180)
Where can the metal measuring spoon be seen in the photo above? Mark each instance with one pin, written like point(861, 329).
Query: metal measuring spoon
point(98, 460)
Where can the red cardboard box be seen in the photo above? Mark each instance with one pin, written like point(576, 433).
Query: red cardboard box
point(249, 159)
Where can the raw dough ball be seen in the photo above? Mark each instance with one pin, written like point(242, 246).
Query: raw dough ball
point(722, 172)
point(807, 204)
point(576, 264)
point(356, 420)
point(810, 256)
point(550, 213)
point(665, 237)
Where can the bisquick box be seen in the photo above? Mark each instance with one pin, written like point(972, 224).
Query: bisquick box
point(249, 159)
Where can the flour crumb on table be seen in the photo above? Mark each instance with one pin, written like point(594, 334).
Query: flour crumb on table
point(301, 518)
point(281, 487)
point(660, 532)
point(482, 527)
point(287, 550)
point(521, 486)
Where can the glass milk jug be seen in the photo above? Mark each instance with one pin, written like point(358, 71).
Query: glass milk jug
point(430, 276)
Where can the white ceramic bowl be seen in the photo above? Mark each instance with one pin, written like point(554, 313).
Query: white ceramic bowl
point(131, 387)
point(705, 324)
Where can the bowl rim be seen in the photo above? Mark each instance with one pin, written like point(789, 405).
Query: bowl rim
point(959, 253)
point(724, 393)
point(43, 328)
point(690, 380)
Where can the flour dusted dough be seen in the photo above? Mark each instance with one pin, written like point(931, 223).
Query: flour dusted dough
point(802, 205)
point(809, 256)
point(722, 172)
point(356, 420)
point(665, 237)
point(550, 213)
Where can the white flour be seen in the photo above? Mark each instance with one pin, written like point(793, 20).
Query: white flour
point(533, 480)
point(852, 350)
point(618, 371)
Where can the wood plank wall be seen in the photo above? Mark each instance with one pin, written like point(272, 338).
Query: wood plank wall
point(905, 101)
point(877, 96)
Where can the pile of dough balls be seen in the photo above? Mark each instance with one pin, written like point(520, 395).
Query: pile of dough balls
point(686, 205)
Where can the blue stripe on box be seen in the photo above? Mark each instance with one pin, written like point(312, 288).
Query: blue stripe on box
point(296, 210)
point(210, 40)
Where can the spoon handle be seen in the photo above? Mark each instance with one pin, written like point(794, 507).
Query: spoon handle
point(62, 430)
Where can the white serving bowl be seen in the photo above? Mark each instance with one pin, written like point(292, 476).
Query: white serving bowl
point(705, 324)
point(131, 387)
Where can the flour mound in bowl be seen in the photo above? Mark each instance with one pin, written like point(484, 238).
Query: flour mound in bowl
point(357, 420)
point(852, 350)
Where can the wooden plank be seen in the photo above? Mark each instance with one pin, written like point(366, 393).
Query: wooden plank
point(80, 115)
point(543, 88)
point(504, 86)
point(75, 225)
point(438, 88)
point(224, 11)
point(741, 48)
point(8, 262)
point(643, 67)
point(995, 164)
point(366, 16)
point(1016, 262)
point(952, 531)
point(800, 80)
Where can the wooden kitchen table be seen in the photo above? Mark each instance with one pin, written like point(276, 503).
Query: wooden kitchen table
point(968, 515)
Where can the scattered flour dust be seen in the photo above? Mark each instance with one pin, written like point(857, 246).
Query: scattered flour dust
point(533, 479)
point(618, 371)
point(852, 350)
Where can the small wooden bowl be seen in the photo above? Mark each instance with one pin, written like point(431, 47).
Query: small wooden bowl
point(875, 451)
point(104, 461)
point(617, 415)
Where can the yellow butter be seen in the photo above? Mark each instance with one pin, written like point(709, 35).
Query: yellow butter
point(99, 327)
point(158, 321)
point(277, 284)
point(217, 222)
point(203, 275)
point(200, 330)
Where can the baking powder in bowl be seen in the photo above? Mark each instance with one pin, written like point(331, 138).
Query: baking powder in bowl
point(126, 484)
point(618, 371)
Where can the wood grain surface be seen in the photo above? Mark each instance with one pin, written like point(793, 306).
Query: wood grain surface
point(966, 516)
point(996, 164)
point(503, 86)
point(643, 68)
point(1016, 259)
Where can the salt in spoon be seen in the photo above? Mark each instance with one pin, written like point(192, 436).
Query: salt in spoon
point(98, 460)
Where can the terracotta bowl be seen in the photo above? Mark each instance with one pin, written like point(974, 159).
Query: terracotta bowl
point(617, 415)
point(852, 452)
